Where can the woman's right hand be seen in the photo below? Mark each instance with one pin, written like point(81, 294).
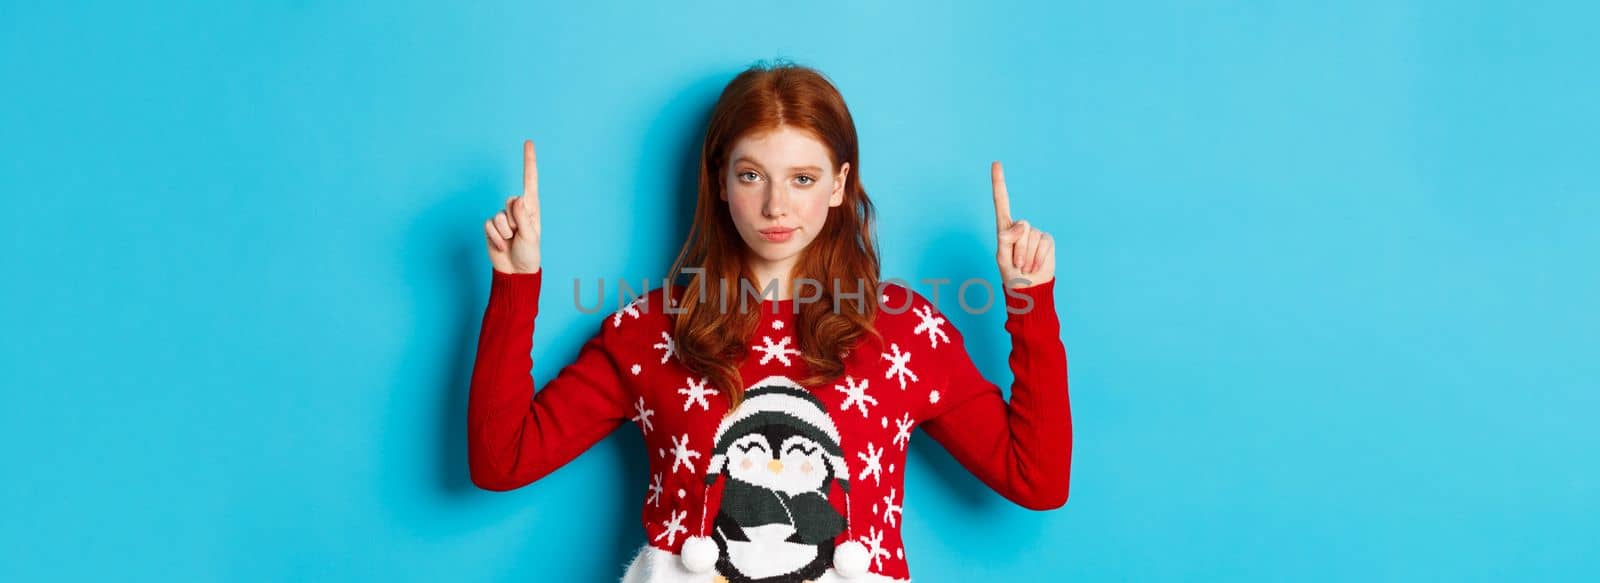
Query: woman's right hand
point(513, 233)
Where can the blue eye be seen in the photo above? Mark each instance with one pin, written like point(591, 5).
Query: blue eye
point(748, 176)
point(805, 180)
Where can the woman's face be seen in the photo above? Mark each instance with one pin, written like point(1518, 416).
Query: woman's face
point(779, 186)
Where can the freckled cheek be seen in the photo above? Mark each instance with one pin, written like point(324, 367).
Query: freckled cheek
point(816, 214)
point(744, 214)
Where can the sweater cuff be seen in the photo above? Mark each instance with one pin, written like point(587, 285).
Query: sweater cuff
point(515, 293)
point(1042, 295)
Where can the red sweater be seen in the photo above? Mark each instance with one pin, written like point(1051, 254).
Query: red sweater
point(853, 433)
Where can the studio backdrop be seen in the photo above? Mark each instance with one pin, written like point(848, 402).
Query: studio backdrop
point(1326, 274)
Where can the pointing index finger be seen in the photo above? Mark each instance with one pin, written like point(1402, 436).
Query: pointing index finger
point(530, 172)
point(1002, 200)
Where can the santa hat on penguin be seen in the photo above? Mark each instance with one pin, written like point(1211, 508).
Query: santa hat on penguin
point(778, 406)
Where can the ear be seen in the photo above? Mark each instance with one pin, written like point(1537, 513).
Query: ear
point(839, 180)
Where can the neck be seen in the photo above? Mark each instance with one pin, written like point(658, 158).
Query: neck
point(780, 272)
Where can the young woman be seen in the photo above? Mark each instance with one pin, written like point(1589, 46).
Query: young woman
point(776, 431)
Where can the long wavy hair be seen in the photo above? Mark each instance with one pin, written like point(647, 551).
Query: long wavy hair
point(713, 341)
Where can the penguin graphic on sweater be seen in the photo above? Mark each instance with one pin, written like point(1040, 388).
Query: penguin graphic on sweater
point(777, 455)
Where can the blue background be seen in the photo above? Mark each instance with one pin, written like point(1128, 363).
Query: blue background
point(1327, 274)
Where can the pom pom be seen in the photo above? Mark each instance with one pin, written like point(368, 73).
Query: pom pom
point(850, 559)
point(699, 553)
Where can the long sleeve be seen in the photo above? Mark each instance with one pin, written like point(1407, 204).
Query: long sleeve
point(514, 435)
point(1023, 449)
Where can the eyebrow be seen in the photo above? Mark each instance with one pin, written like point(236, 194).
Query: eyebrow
point(758, 164)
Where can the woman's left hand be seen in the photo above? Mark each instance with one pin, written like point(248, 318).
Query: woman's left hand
point(1026, 253)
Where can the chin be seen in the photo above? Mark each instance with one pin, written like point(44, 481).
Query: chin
point(769, 251)
point(769, 258)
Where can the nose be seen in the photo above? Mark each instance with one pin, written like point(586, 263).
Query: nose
point(775, 465)
point(777, 202)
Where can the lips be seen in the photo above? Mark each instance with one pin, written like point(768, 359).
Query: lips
point(776, 234)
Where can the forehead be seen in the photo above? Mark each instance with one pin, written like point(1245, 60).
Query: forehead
point(782, 147)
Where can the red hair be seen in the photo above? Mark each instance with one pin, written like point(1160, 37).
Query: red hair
point(712, 341)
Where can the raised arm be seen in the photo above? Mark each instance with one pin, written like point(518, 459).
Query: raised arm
point(515, 435)
point(1021, 449)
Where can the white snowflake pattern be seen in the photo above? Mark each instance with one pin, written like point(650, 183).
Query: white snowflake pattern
point(856, 395)
point(696, 393)
point(930, 324)
point(777, 324)
point(643, 416)
point(632, 309)
point(875, 550)
point(933, 396)
point(671, 527)
point(667, 347)
point(778, 350)
point(902, 431)
point(682, 455)
point(890, 509)
point(899, 365)
point(873, 458)
point(655, 491)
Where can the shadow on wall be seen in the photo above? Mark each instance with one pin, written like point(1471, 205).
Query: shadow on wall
point(985, 339)
point(444, 273)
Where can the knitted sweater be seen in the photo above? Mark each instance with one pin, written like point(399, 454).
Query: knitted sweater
point(794, 476)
